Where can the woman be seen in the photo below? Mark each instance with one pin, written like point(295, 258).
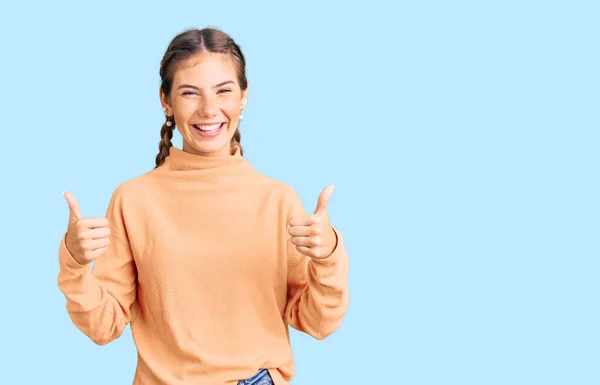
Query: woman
point(207, 259)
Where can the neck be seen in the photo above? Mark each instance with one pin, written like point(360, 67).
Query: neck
point(183, 160)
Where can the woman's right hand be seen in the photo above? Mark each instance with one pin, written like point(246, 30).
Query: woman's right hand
point(87, 238)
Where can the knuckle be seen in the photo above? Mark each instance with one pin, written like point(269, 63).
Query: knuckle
point(316, 241)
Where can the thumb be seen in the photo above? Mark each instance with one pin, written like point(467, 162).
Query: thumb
point(324, 199)
point(74, 213)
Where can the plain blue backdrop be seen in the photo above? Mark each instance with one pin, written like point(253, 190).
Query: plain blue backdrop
point(462, 137)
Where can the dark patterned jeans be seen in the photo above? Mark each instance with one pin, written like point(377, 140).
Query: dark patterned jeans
point(260, 378)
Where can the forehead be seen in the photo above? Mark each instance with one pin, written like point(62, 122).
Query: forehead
point(205, 70)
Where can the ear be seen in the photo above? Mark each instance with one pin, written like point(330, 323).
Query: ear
point(244, 100)
point(164, 102)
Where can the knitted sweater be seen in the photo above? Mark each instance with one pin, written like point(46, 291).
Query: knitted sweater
point(201, 266)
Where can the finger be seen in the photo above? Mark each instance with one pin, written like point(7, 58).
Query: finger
point(305, 220)
point(93, 244)
point(324, 199)
point(95, 254)
point(303, 231)
point(93, 222)
point(304, 241)
point(313, 252)
point(74, 213)
point(95, 233)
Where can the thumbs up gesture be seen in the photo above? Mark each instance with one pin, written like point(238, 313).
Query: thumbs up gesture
point(312, 234)
point(86, 238)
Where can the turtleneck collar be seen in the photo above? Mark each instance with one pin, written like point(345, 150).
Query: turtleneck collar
point(180, 160)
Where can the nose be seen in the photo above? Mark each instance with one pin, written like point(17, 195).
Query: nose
point(208, 107)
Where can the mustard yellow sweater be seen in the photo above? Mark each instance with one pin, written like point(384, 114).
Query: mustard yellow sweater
point(201, 266)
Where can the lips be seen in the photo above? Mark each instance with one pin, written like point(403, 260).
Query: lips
point(209, 130)
point(208, 127)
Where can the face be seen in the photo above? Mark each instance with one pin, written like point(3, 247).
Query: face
point(206, 101)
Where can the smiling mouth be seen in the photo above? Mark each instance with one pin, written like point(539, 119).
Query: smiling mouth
point(208, 127)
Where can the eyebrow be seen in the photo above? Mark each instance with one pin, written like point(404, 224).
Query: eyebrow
point(198, 88)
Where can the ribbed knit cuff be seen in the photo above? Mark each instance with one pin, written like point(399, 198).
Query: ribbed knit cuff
point(337, 252)
point(66, 260)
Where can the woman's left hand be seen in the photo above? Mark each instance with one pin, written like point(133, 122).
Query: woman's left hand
point(312, 234)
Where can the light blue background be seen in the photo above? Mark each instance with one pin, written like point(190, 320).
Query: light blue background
point(462, 138)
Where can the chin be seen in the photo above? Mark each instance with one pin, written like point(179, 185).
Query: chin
point(210, 144)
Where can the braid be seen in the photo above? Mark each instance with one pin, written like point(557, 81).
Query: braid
point(236, 140)
point(166, 134)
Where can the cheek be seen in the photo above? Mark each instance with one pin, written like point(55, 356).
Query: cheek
point(184, 109)
point(231, 109)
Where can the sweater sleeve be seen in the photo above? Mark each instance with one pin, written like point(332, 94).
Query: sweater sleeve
point(318, 293)
point(99, 300)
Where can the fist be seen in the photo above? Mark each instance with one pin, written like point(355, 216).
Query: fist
point(312, 234)
point(87, 238)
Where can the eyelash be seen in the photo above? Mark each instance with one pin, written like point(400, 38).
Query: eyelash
point(194, 93)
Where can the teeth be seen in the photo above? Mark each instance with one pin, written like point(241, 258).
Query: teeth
point(212, 127)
